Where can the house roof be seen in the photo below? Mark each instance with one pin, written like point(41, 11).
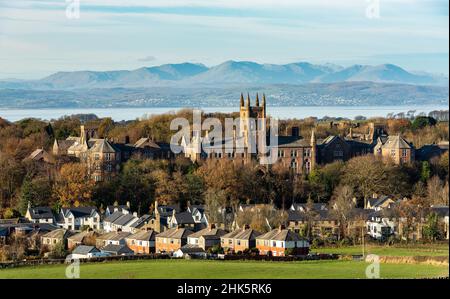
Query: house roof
point(148, 235)
point(40, 213)
point(146, 142)
point(79, 237)
point(57, 234)
point(117, 249)
point(84, 249)
point(64, 144)
point(113, 236)
point(189, 248)
point(124, 219)
point(377, 201)
point(113, 217)
point(40, 155)
point(280, 235)
point(208, 232)
point(103, 146)
point(79, 212)
point(144, 219)
point(242, 234)
point(184, 218)
point(396, 142)
point(175, 233)
point(119, 208)
point(296, 215)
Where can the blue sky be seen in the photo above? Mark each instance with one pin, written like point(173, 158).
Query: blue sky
point(37, 39)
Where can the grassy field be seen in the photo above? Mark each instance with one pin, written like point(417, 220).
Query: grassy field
point(413, 250)
point(228, 269)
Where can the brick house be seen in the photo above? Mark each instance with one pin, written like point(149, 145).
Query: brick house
point(240, 239)
point(142, 242)
point(171, 240)
point(277, 241)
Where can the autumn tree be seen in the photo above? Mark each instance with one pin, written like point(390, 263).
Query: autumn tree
point(73, 186)
point(343, 203)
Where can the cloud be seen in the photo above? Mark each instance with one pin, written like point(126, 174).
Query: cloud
point(147, 59)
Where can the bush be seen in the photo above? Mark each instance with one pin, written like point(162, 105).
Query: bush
point(289, 251)
point(59, 251)
point(316, 243)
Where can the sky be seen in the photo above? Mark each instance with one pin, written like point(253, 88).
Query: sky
point(40, 37)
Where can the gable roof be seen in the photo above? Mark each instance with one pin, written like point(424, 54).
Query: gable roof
point(175, 233)
point(396, 142)
point(79, 212)
point(79, 237)
point(84, 249)
point(148, 235)
point(40, 213)
point(184, 218)
point(58, 234)
point(103, 146)
point(243, 234)
point(117, 249)
point(280, 235)
point(114, 236)
point(208, 232)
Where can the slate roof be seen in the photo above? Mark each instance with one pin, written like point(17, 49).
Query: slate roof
point(175, 233)
point(113, 236)
point(148, 235)
point(84, 249)
point(103, 146)
point(189, 248)
point(280, 235)
point(113, 217)
point(79, 237)
point(208, 232)
point(396, 142)
point(119, 208)
point(79, 212)
point(243, 234)
point(65, 144)
point(124, 219)
point(184, 218)
point(292, 141)
point(146, 142)
point(40, 213)
point(296, 216)
point(117, 249)
point(375, 202)
point(144, 219)
point(57, 234)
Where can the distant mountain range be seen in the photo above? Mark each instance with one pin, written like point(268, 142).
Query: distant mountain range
point(195, 85)
point(225, 74)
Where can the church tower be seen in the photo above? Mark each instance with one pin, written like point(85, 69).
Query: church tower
point(249, 116)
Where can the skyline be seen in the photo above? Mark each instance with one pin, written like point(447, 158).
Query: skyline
point(37, 39)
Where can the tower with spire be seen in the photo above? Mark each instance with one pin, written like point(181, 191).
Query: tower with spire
point(248, 112)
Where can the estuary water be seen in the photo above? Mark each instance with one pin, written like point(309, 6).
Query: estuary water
point(119, 114)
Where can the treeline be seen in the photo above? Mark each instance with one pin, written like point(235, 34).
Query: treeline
point(143, 181)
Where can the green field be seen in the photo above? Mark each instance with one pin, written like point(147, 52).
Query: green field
point(413, 250)
point(228, 269)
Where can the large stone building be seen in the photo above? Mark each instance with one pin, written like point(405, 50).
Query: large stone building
point(298, 154)
point(104, 157)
